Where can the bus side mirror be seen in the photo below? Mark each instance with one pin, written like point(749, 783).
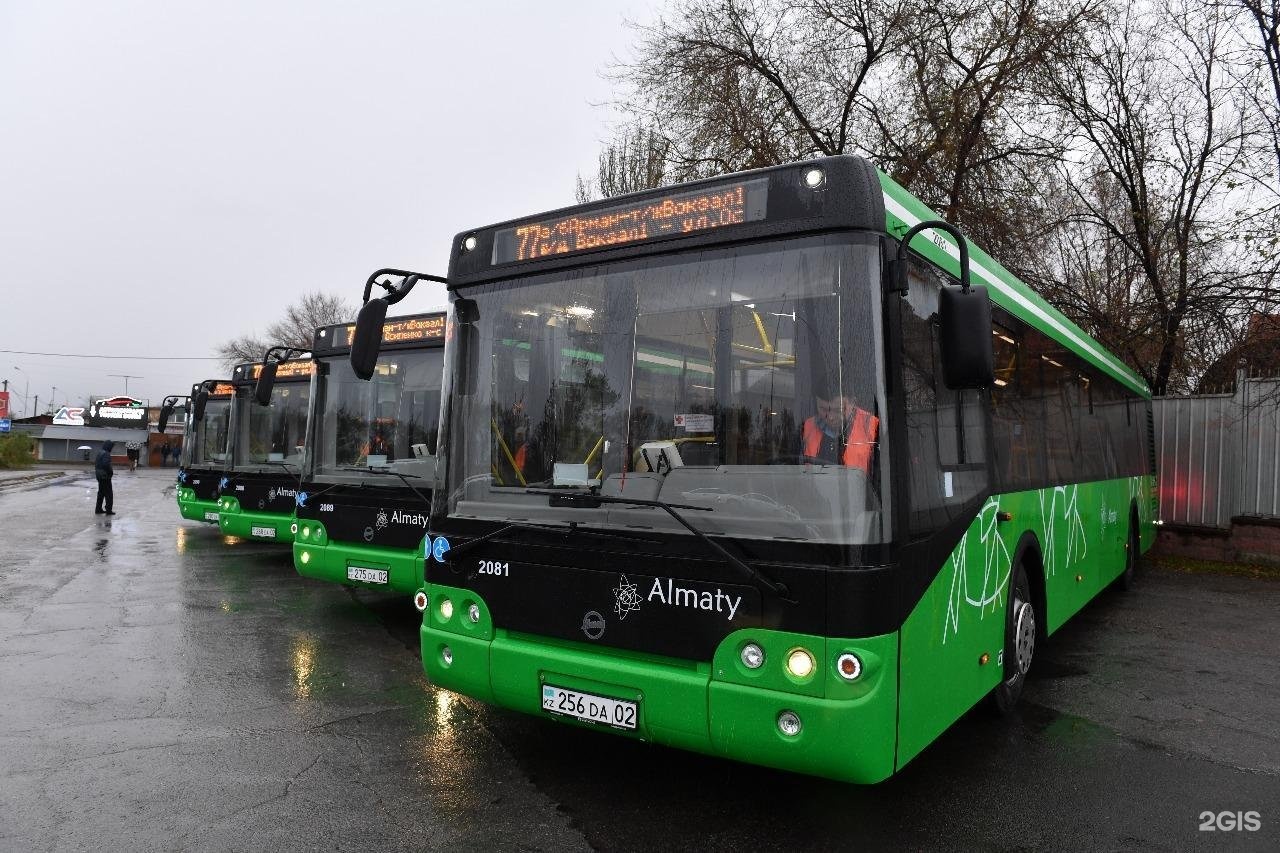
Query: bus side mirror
point(266, 381)
point(197, 405)
point(166, 412)
point(366, 341)
point(964, 318)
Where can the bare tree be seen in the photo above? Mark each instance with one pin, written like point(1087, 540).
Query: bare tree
point(738, 84)
point(295, 329)
point(1160, 136)
point(636, 161)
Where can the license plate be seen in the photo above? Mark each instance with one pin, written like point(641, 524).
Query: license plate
point(619, 713)
point(264, 532)
point(360, 573)
point(210, 516)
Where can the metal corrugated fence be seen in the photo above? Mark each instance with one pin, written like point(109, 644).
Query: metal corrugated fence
point(1218, 455)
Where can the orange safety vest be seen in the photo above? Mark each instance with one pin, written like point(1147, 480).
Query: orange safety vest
point(859, 446)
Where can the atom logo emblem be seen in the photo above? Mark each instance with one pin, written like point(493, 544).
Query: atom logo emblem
point(593, 625)
point(382, 520)
point(626, 598)
point(271, 494)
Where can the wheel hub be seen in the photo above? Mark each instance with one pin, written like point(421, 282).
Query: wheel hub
point(1024, 635)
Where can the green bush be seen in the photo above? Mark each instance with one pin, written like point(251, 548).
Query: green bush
point(17, 450)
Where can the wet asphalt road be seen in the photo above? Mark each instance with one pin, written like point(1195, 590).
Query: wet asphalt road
point(162, 687)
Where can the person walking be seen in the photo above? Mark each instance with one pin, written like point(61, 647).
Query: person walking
point(164, 456)
point(102, 469)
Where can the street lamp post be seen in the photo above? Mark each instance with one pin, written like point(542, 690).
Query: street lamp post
point(25, 398)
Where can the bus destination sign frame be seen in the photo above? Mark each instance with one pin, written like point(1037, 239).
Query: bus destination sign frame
point(656, 218)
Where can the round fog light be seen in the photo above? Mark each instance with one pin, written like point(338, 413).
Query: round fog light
point(473, 613)
point(446, 609)
point(752, 656)
point(306, 557)
point(420, 601)
point(789, 723)
point(849, 666)
point(800, 663)
point(446, 655)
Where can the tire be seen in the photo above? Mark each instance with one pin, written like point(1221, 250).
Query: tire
point(1129, 577)
point(1019, 642)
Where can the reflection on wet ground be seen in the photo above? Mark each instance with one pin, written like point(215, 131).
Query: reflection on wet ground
point(163, 686)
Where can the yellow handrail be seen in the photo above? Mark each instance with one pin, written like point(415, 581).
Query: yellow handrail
point(507, 452)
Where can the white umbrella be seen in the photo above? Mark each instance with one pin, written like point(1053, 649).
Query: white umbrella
point(84, 447)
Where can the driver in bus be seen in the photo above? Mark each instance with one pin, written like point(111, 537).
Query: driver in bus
point(840, 432)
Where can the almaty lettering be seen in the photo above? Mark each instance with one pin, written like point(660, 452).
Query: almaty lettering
point(417, 518)
point(679, 596)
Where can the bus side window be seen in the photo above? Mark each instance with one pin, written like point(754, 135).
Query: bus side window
point(945, 430)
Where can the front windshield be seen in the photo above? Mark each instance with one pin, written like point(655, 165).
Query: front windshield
point(745, 379)
point(387, 425)
point(208, 445)
point(271, 436)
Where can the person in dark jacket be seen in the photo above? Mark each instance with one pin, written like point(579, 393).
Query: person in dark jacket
point(102, 468)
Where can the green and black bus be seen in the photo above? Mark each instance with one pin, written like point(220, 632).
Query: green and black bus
point(771, 466)
point(363, 505)
point(204, 449)
point(259, 487)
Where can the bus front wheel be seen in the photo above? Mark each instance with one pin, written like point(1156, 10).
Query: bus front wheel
point(1020, 641)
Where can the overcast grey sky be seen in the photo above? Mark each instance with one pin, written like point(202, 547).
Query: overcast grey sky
point(175, 173)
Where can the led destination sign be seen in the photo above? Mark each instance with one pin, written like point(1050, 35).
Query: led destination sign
point(652, 219)
point(397, 331)
point(296, 369)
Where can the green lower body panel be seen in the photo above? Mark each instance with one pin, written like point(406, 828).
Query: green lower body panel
point(195, 509)
point(847, 731)
point(267, 526)
point(391, 569)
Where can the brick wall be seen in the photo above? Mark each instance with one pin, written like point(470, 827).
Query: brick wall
point(1250, 539)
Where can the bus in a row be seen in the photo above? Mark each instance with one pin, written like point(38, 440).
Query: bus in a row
point(296, 450)
point(773, 466)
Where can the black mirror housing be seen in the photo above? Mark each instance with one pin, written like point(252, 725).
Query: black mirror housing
point(964, 319)
point(198, 403)
point(166, 412)
point(266, 381)
point(366, 341)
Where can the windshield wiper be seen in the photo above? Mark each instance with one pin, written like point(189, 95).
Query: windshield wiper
point(574, 529)
point(591, 500)
point(288, 466)
point(403, 477)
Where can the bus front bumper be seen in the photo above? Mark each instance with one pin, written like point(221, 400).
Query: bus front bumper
point(194, 509)
point(364, 566)
point(847, 729)
point(267, 526)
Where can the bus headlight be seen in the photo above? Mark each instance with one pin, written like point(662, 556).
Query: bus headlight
point(446, 609)
point(752, 656)
point(800, 663)
point(446, 655)
point(306, 532)
point(473, 613)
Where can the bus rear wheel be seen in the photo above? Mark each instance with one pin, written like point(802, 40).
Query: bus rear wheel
point(1019, 643)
